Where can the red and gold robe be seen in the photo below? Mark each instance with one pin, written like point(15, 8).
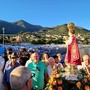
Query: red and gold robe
point(72, 54)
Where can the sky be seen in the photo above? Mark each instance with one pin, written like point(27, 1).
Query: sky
point(47, 13)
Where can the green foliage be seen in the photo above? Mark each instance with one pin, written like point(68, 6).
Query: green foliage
point(33, 41)
point(41, 41)
point(12, 39)
point(85, 41)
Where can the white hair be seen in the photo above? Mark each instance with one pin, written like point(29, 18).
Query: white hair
point(51, 59)
point(19, 77)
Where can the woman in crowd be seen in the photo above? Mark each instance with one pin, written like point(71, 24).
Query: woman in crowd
point(60, 58)
point(45, 57)
point(51, 65)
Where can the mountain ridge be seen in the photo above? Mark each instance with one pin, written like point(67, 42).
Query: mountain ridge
point(23, 26)
point(27, 25)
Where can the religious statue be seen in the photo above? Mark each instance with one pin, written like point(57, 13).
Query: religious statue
point(72, 54)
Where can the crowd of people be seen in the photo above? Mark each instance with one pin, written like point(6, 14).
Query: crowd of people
point(30, 71)
point(27, 71)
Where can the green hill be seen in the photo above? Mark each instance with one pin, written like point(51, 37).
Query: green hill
point(62, 29)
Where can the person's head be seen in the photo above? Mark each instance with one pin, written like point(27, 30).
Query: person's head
point(56, 59)
point(20, 79)
point(45, 56)
point(23, 51)
point(14, 57)
point(86, 59)
point(59, 56)
point(9, 56)
point(31, 57)
point(31, 52)
point(51, 61)
point(9, 50)
point(35, 57)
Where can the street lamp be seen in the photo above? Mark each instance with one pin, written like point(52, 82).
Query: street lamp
point(3, 36)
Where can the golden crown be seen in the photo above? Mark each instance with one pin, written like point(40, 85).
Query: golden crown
point(70, 26)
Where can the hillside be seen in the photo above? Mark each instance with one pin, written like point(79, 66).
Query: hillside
point(23, 26)
point(18, 26)
point(28, 26)
point(62, 29)
point(10, 28)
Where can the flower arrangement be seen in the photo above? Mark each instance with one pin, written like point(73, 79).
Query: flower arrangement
point(58, 82)
point(84, 83)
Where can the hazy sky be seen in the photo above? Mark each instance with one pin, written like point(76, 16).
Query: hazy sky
point(47, 12)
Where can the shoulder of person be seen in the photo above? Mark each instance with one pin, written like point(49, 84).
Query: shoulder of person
point(48, 66)
point(41, 62)
point(17, 64)
point(30, 64)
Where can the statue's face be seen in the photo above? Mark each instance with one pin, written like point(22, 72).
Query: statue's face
point(69, 33)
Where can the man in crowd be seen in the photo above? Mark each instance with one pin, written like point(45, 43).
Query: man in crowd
point(21, 79)
point(30, 59)
point(11, 65)
point(24, 56)
point(39, 69)
point(85, 62)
